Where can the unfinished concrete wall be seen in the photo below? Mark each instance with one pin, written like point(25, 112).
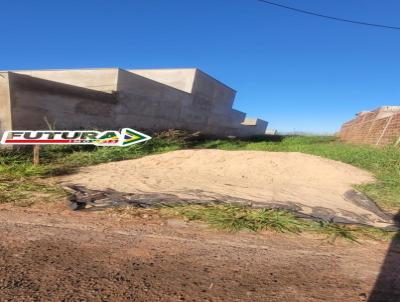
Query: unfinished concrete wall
point(181, 79)
point(252, 127)
point(379, 127)
point(229, 122)
point(102, 79)
point(114, 98)
point(147, 104)
point(216, 99)
point(220, 95)
point(35, 103)
point(164, 107)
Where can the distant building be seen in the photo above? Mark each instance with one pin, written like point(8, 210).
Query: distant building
point(378, 127)
point(271, 132)
point(112, 98)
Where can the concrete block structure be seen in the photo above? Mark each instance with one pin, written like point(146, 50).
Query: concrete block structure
point(378, 127)
point(112, 98)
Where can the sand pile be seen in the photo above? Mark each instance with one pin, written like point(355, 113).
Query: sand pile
point(304, 183)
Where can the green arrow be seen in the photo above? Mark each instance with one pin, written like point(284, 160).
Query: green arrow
point(130, 137)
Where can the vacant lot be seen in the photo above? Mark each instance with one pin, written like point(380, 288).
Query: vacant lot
point(383, 163)
point(49, 253)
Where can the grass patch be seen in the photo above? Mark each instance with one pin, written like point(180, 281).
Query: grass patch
point(25, 193)
point(233, 218)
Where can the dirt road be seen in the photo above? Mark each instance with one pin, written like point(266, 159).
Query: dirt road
point(58, 255)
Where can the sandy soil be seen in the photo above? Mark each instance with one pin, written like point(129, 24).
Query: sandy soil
point(52, 254)
point(301, 182)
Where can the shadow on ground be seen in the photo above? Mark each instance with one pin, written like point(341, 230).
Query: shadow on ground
point(387, 286)
point(80, 196)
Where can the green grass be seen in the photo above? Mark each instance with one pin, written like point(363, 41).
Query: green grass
point(234, 218)
point(26, 193)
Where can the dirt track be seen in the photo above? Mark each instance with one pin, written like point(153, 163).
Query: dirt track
point(58, 255)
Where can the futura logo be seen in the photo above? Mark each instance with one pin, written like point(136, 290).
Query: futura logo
point(124, 138)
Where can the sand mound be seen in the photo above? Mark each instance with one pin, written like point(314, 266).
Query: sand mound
point(304, 183)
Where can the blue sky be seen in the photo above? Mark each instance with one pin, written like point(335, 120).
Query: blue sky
point(298, 72)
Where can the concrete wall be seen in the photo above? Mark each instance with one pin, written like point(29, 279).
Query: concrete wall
point(253, 126)
point(379, 127)
point(116, 98)
point(33, 101)
point(230, 119)
point(206, 87)
point(5, 106)
point(147, 104)
point(181, 79)
point(161, 107)
point(96, 79)
point(192, 80)
point(216, 100)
